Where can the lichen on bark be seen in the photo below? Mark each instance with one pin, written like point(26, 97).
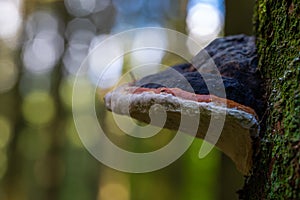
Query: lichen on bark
point(276, 173)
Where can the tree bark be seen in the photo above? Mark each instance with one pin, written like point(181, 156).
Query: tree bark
point(276, 171)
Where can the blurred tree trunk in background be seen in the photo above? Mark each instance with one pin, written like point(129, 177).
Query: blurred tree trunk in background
point(238, 18)
point(277, 161)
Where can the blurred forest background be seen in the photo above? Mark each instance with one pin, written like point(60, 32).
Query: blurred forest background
point(42, 44)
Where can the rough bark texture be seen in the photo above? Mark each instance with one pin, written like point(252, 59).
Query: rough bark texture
point(276, 172)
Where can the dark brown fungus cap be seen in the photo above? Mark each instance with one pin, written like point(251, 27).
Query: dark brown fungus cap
point(236, 60)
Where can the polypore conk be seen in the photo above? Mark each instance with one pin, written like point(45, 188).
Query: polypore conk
point(198, 92)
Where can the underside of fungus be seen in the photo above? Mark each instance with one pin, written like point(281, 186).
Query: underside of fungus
point(193, 98)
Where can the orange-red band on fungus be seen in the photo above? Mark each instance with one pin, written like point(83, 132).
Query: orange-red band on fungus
point(197, 97)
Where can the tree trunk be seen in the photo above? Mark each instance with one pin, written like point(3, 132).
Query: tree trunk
point(276, 172)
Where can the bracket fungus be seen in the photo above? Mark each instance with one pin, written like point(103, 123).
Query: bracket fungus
point(200, 91)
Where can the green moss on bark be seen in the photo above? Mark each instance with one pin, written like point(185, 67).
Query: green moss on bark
point(276, 174)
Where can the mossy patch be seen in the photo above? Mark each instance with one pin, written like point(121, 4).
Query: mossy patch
point(276, 172)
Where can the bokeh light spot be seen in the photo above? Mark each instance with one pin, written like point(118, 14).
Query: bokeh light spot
point(79, 33)
point(204, 23)
point(39, 55)
point(150, 48)
point(80, 8)
point(105, 61)
point(8, 75)
point(44, 45)
point(84, 26)
point(10, 19)
point(38, 108)
point(74, 56)
point(114, 191)
point(41, 21)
